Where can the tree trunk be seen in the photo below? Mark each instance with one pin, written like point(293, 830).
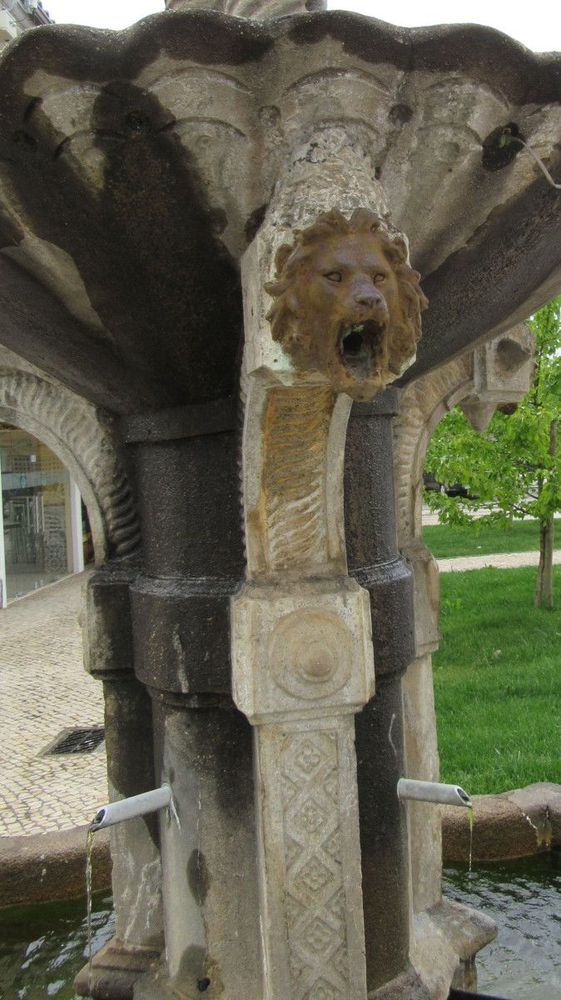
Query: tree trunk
point(544, 582)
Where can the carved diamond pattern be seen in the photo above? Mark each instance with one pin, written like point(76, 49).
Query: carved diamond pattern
point(333, 844)
point(340, 961)
point(314, 875)
point(295, 910)
point(307, 757)
point(289, 789)
point(310, 816)
point(332, 786)
point(323, 991)
point(292, 850)
point(336, 905)
point(318, 936)
point(314, 879)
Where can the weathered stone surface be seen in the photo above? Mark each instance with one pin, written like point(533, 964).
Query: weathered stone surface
point(500, 371)
point(80, 134)
point(503, 370)
point(209, 859)
point(49, 866)
point(515, 824)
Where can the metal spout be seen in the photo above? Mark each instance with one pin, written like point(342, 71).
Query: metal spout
point(433, 791)
point(136, 805)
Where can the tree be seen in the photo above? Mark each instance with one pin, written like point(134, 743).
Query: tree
point(514, 466)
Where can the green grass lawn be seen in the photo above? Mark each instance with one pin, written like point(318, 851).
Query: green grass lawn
point(446, 542)
point(498, 681)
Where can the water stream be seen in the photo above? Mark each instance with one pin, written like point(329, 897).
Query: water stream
point(89, 900)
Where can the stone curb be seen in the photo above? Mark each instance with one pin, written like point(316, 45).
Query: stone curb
point(45, 867)
point(515, 824)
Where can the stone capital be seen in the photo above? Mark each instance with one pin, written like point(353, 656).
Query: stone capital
point(301, 650)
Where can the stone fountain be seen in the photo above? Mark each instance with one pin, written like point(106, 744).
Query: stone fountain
point(207, 222)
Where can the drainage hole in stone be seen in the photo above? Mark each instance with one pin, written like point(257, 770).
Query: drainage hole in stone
point(203, 985)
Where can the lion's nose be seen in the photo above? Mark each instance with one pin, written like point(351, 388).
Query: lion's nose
point(368, 298)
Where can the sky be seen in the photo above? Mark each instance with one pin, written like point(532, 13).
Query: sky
point(538, 26)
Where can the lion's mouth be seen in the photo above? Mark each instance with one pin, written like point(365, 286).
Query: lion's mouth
point(361, 346)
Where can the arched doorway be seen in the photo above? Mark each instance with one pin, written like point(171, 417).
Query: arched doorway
point(45, 523)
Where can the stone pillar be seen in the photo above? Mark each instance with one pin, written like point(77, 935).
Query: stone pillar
point(302, 666)
point(374, 561)
point(193, 559)
point(136, 873)
point(302, 628)
point(74, 537)
point(3, 587)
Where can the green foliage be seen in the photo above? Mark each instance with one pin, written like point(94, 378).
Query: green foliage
point(509, 465)
point(497, 682)
point(514, 466)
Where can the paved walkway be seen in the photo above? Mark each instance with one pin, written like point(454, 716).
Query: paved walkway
point(45, 690)
point(503, 560)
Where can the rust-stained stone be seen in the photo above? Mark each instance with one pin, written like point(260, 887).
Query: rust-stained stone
point(347, 303)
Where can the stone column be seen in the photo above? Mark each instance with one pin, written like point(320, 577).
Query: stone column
point(302, 665)
point(375, 562)
point(187, 475)
point(135, 850)
point(302, 641)
point(3, 586)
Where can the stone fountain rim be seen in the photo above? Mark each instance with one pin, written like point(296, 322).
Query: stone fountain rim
point(503, 62)
point(46, 867)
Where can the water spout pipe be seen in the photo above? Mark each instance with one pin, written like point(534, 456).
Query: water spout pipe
point(135, 805)
point(433, 791)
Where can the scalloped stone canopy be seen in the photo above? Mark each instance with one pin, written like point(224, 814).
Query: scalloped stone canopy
point(135, 168)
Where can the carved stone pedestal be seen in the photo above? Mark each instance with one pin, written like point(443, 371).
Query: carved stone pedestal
point(302, 661)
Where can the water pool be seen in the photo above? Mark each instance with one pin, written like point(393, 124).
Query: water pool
point(524, 899)
point(43, 947)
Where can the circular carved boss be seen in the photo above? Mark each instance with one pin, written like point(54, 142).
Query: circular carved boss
point(310, 653)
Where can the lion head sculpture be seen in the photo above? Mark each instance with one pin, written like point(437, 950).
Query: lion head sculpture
point(347, 303)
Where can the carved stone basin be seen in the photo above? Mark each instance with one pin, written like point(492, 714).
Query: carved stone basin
point(136, 167)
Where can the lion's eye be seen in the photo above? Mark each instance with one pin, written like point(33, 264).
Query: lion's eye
point(379, 278)
point(333, 276)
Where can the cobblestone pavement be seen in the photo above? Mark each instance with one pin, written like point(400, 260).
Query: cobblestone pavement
point(44, 691)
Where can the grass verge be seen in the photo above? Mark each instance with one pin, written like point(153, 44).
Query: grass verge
point(498, 682)
point(446, 541)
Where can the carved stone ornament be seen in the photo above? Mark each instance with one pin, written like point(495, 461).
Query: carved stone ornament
point(347, 303)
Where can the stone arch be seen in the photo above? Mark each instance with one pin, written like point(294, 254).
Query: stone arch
point(499, 371)
point(75, 432)
point(422, 406)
